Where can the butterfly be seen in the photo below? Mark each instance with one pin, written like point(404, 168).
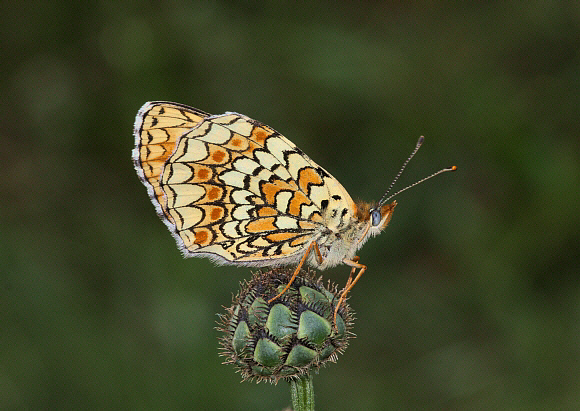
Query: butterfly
point(238, 192)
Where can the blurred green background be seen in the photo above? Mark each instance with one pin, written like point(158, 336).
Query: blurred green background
point(472, 296)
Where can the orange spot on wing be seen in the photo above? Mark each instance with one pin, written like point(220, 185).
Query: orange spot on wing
point(218, 156)
point(260, 225)
point(238, 143)
point(306, 225)
point(296, 202)
point(267, 211)
point(216, 213)
point(271, 189)
point(316, 217)
point(214, 192)
point(308, 176)
point(202, 173)
point(299, 241)
point(279, 237)
point(259, 135)
point(201, 237)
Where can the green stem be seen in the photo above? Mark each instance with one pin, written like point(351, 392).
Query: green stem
point(302, 393)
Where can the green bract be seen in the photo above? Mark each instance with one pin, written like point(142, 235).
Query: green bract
point(289, 337)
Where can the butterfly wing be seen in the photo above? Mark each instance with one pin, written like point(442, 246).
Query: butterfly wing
point(158, 126)
point(237, 191)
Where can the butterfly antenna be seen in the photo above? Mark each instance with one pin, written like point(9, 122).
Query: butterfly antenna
point(453, 168)
point(417, 147)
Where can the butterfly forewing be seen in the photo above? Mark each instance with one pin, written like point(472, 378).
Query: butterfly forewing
point(231, 188)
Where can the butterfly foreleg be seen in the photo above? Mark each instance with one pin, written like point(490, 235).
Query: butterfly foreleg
point(350, 282)
point(311, 247)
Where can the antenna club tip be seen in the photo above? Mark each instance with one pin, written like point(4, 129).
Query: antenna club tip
point(421, 140)
point(453, 168)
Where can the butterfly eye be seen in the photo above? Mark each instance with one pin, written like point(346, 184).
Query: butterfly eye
point(375, 217)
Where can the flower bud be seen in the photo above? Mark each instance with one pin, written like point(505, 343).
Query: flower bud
point(289, 337)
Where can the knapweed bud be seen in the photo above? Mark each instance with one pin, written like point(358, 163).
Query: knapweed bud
point(293, 335)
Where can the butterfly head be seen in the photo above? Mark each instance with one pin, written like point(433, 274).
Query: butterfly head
point(379, 217)
point(373, 219)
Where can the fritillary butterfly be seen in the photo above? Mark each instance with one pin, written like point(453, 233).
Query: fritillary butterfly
point(236, 191)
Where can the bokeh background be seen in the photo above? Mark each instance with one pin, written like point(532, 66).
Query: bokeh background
point(472, 296)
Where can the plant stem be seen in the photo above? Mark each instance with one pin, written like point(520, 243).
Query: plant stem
point(302, 393)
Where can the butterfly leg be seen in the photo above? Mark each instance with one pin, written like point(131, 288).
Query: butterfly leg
point(352, 271)
point(312, 246)
point(350, 283)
